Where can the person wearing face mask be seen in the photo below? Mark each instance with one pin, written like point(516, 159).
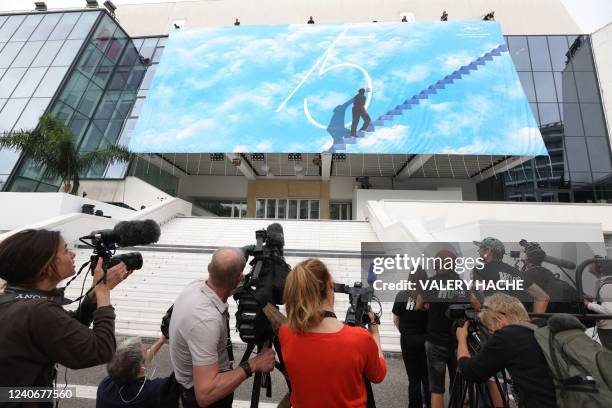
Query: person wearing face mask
point(511, 347)
point(326, 360)
point(36, 332)
point(127, 384)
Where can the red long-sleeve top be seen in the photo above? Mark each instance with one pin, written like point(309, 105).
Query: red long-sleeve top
point(327, 369)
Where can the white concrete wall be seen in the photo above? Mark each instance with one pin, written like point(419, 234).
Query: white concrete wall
point(131, 191)
point(361, 198)
point(227, 187)
point(516, 16)
point(602, 51)
point(19, 209)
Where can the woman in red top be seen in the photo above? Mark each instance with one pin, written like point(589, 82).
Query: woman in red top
point(326, 360)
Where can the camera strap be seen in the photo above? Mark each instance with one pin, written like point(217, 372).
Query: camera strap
point(327, 313)
point(14, 293)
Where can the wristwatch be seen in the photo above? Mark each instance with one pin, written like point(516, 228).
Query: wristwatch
point(247, 368)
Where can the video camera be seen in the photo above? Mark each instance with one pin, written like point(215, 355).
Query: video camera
point(262, 285)
point(360, 299)
point(478, 334)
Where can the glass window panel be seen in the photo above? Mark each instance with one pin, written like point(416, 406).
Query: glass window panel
point(103, 72)
point(158, 53)
point(534, 110)
point(78, 124)
point(8, 159)
point(83, 26)
point(545, 86)
point(51, 82)
point(558, 50)
point(46, 188)
point(2, 102)
point(587, 87)
point(116, 170)
point(148, 47)
point(599, 154)
point(137, 107)
point(107, 106)
point(114, 50)
point(603, 180)
point(113, 130)
point(314, 209)
point(27, 27)
point(62, 111)
point(10, 80)
point(538, 50)
point(572, 122)
point(334, 211)
point(119, 78)
point(135, 77)
point(47, 53)
point(566, 86)
point(45, 27)
point(137, 42)
point(2, 44)
point(94, 136)
point(576, 152)
point(74, 89)
point(9, 52)
point(64, 27)
point(10, 113)
point(260, 208)
point(270, 208)
point(282, 209)
point(124, 105)
point(148, 78)
point(582, 57)
point(89, 60)
point(162, 41)
point(34, 110)
point(27, 54)
point(90, 99)
point(303, 209)
point(519, 52)
point(103, 35)
point(549, 113)
point(10, 26)
point(23, 185)
point(593, 120)
point(67, 53)
point(2, 20)
point(130, 56)
point(526, 79)
point(29, 82)
point(293, 209)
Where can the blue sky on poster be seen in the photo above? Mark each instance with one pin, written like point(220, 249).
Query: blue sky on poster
point(244, 90)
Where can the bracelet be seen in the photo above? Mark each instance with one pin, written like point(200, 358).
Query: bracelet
point(247, 368)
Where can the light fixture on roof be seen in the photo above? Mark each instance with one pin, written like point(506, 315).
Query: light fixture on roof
point(257, 157)
point(294, 157)
point(236, 162)
point(339, 156)
point(217, 157)
point(40, 6)
point(444, 16)
point(490, 16)
point(92, 3)
point(110, 6)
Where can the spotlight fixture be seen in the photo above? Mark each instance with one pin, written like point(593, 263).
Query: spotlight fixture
point(217, 157)
point(236, 162)
point(310, 20)
point(489, 16)
point(444, 16)
point(144, 61)
point(294, 156)
point(404, 19)
point(237, 22)
point(339, 156)
point(92, 3)
point(110, 6)
point(40, 6)
point(258, 157)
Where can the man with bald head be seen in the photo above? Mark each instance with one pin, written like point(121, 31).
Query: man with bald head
point(200, 348)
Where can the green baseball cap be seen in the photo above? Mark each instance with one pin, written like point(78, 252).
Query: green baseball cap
point(493, 244)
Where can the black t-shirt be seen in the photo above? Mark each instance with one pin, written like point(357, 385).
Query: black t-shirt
point(496, 271)
point(108, 393)
point(439, 327)
point(514, 348)
point(411, 321)
point(359, 101)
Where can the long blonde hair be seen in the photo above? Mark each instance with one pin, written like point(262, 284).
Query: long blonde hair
point(305, 292)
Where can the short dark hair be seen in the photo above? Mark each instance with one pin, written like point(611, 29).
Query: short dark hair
point(361, 90)
point(125, 365)
point(24, 255)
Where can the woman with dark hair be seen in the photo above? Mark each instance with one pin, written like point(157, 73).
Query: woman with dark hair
point(316, 345)
point(410, 318)
point(36, 332)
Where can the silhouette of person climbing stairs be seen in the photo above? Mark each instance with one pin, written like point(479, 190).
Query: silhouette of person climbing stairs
point(359, 111)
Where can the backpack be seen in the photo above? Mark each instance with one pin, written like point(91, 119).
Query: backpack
point(580, 367)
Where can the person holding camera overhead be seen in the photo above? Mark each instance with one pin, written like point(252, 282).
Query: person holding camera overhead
point(315, 345)
point(36, 332)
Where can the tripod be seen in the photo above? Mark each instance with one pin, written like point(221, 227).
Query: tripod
point(263, 380)
point(476, 394)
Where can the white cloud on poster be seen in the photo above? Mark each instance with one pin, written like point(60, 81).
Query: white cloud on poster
point(384, 136)
point(416, 73)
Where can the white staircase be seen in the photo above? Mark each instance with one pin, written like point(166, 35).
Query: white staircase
point(185, 248)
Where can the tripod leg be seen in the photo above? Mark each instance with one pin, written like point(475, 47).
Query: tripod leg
point(370, 394)
point(247, 353)
point(256, 390)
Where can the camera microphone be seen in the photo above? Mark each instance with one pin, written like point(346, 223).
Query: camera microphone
point(133, 233)
point(562, 263)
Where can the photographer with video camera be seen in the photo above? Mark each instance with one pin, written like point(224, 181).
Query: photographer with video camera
point(440, 343)
point(200, 346)
point(36, 332)
point(492, 251)
point(511, 347)
point(316, 345)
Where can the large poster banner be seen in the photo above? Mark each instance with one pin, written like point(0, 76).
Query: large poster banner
point(447, 88)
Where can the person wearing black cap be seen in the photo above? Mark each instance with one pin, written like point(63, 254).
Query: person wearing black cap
point(492, 251)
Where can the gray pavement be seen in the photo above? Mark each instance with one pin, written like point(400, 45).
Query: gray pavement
point(391, 393)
